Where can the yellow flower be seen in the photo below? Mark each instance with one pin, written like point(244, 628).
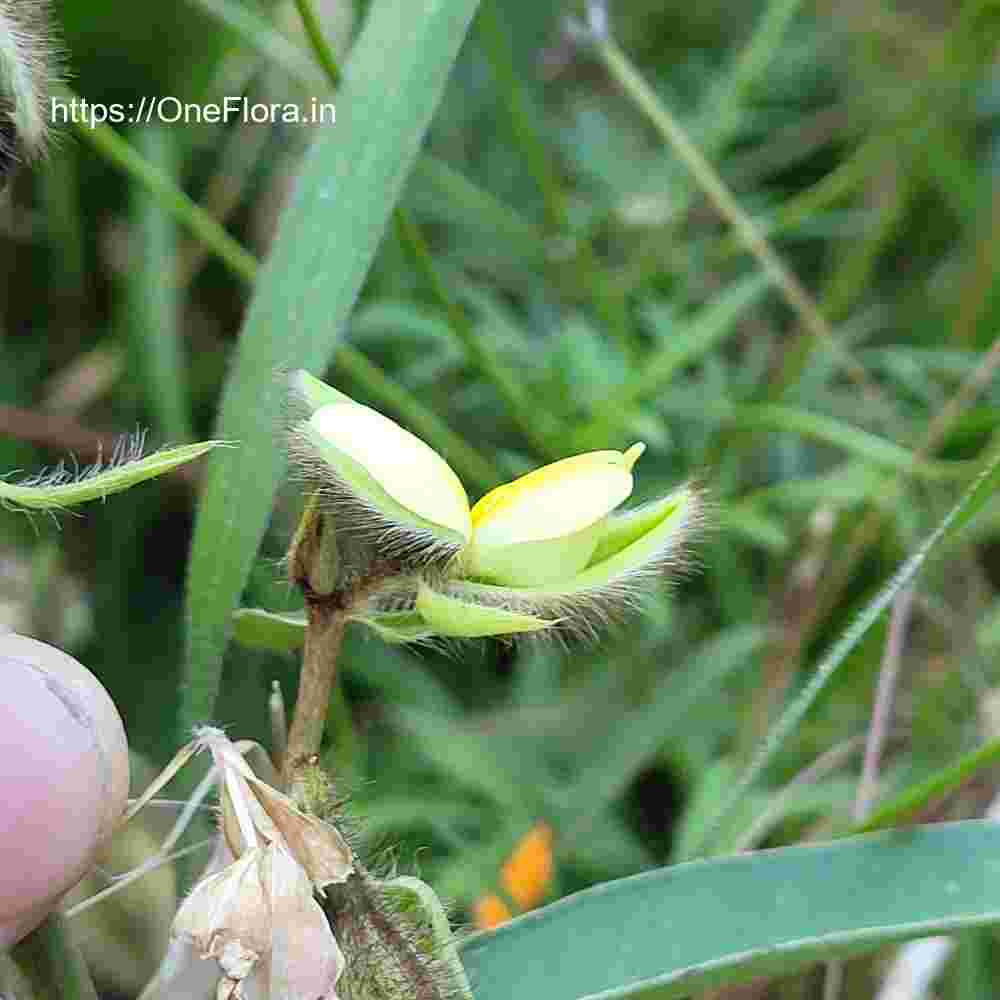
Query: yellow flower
point(546, 547)
point(546, 525)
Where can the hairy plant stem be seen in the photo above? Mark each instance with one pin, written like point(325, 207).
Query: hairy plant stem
point(327, 619)
point(332, 594)
point(51, 963)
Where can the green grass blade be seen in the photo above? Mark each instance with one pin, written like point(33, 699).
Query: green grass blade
point(725, 107)
point(350, 180)
point(117, 150)
point(694, 926)
point(911, 801)
point(260, 35)
point(463, 203)
point(62, 488)
point(153, 308)
point(970, 502)
point(854, 441)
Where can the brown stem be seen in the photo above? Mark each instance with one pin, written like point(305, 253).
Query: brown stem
point(327, 620)
point(314, 566)
point(878, 730)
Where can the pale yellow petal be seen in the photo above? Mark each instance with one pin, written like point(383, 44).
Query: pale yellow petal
point(557, 500)
point(411, 472)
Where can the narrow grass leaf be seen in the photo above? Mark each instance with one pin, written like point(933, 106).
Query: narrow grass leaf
point(350, 180)
point(970, 502)
point(261, 36)
point(462, 203)
point(911, 801)
point(855, 441)
point(152, 297)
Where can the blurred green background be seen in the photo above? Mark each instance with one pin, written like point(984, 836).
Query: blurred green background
point(601, 282)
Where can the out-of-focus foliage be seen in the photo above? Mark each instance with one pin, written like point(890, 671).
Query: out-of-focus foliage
point(606, 301)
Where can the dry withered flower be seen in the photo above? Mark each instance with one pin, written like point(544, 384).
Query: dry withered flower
point(258, 917)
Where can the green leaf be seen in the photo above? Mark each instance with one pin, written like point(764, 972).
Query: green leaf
point(451, 616)
point(462, 203)
point(753, 525)
point(350, 180)
point(401, 679)
point(260, 35)
point(260, 629)
point(396, 626)
point(62, 488)
point(700, 925)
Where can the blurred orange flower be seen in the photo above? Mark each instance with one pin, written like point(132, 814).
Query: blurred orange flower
point(525, 877)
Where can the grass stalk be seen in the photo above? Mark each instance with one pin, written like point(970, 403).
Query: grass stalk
point(412, 241)
point(625, 74)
